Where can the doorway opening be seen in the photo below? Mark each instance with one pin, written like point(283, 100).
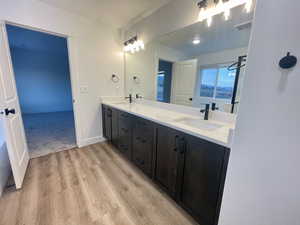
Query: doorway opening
point(164, 81)
point(42, 74)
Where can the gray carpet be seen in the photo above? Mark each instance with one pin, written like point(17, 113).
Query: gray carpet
point(49, 132)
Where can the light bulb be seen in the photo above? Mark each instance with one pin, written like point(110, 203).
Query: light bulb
point(137, 48)
point(248, 6)
point(141, 44)
point(201, 14)
point(209, 21)
point(196, 41)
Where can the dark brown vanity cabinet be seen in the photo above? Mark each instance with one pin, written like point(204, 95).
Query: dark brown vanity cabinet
point(114, 127)
point(191, 170)
point(125, 133)
point(166, 164)
point(202, 170)
point(110, 124)
point(142, 144)
point(107, 119)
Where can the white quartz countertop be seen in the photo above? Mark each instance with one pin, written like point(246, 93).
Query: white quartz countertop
point(212, 130)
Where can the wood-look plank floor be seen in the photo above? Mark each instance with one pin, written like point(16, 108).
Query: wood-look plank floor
point(91, 185)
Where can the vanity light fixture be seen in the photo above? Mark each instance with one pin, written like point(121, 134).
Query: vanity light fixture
point(133, 45)
point(220, 6)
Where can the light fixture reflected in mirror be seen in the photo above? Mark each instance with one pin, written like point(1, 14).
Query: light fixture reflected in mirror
point(133, 45)
point(196, 41)
point(220, 6)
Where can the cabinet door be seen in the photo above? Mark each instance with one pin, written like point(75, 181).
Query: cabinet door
point(203, 168)
point(142, 145)
point(167, 148)
point(114, 127)
point(107, 115)
point(103, 120)
point(125, 133)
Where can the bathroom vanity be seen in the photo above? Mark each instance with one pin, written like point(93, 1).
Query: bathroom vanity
point(187, 162)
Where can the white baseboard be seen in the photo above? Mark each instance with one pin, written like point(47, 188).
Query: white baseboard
point(90, 141)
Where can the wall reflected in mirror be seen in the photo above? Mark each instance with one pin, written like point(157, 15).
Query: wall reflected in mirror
point(195, 65)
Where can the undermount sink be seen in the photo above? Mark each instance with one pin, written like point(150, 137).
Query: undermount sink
point(199, 123)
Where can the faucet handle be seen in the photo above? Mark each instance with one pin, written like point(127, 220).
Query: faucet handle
point(214, 106)
point(207, 106)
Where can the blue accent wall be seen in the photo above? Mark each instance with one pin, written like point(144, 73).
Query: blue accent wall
point(41, 67)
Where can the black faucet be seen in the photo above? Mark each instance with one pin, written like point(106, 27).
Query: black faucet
point(137, 96)
point(213, 106)
point(130, 98)
point(205, 111)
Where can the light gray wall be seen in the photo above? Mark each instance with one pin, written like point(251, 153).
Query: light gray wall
point(263, 181)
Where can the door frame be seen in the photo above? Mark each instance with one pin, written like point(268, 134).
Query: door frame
point(74, 79)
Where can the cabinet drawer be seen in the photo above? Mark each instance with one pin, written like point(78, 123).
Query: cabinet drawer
point(144, 128)
point(142, 154)
point(143, 136)
point(124, 116)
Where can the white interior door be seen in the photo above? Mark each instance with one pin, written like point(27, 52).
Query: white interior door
point(11, 113)
point(184, 77)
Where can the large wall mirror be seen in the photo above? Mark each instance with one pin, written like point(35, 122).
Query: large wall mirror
point(195, 65)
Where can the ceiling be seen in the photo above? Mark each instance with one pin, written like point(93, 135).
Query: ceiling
point(219, 36)
point(117, 13)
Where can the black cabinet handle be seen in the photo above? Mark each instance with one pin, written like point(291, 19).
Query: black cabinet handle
point(182, 145)
point(144, 141)
point(175, 149)
point(9, 111)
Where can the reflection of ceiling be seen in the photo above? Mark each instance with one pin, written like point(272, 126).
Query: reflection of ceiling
point(34, 40)
point(114, 12)
point(220, 36)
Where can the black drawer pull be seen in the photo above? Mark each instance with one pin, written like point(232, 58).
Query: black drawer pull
point(144, 141)
point(175, 149)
